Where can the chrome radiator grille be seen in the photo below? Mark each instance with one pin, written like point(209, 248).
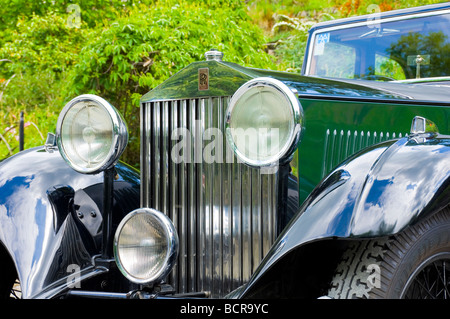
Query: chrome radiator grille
point(224, 212)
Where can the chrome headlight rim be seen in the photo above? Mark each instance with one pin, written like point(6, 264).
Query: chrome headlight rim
point(172, 247)
point(296, 109)
point(119, 134)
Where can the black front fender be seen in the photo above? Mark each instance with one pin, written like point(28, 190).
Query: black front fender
point(377, 192)
point(50, 217)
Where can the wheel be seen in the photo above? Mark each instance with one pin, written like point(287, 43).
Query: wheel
point(16, 290)
point(10, 288)
point(414, 264)
point(9, 282)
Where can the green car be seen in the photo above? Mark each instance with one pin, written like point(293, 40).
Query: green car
point(254, 183)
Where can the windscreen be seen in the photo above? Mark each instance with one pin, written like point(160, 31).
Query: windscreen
point(416, 47)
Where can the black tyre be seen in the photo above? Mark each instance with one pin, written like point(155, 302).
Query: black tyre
point(9, 283)
point(414, 264)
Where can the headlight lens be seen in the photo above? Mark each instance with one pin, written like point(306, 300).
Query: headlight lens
point(91, 134)
point(145, 246)
point(263, 122)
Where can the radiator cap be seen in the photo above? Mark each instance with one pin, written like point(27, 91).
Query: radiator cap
point(213, 55)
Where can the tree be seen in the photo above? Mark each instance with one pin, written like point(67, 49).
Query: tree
point(148, 44)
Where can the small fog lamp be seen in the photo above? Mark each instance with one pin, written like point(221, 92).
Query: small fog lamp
point(145, 246)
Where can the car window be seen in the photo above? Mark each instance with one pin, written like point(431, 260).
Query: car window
point(326, 56)
point(389, 68)
point(417, 47)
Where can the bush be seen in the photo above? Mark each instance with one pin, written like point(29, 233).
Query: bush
point(151, 43)
point(118, 50)
point(34, 67)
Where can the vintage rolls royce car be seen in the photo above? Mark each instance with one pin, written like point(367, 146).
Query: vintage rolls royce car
point(253, 183)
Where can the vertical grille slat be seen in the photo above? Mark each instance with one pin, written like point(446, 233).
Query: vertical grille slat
point(174, 180)
point(192, 222)
point(182, 225)
point(158, 180)
point(256, 228)
point(217, 209)
point(207, 209)
point(201, 224)
point(164, 168)
point(226, 208)
point(246, 215)
point(236, 200)
point(224, 211)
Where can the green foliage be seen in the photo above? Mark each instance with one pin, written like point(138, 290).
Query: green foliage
point(149, 44)
point(36, 61)
point(53, 50)
point(93, 12)
point(42, 43)
point(119, 56)
point(34, 66)
point(142, 49)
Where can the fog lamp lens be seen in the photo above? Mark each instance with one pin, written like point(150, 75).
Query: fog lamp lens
point(145, 246)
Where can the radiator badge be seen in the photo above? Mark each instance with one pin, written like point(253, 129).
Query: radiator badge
point(203, 79)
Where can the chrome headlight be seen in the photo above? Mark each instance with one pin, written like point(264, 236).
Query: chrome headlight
point(263, 122)
point(91, 134)
point(145, 246)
